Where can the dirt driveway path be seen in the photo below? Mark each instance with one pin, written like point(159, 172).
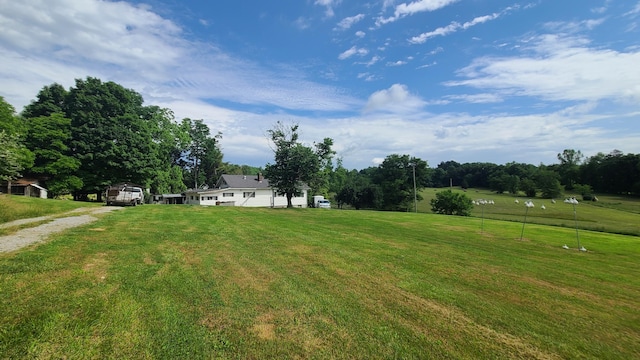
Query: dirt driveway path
point(32, 235)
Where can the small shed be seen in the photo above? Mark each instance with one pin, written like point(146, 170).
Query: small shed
point(24, 187)
point(171, 199)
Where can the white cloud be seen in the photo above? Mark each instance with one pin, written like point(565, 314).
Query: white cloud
point(635, 10)
point(573, 27)
point(360, 34)
point(43, 42)
point(375, 59)
point(406, 9)
point(106, 32)
point(396, 99)
point(367, 76)
point(397, 63)
point(348, 22)
point(477, 98)
point(353, 51)
point(559, 69)
point(302, 23)
point(441, 31)
point(453, 27)
point(328, 4)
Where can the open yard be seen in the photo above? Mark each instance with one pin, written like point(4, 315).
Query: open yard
point(192, 282)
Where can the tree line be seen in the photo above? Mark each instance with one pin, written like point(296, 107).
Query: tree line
point(389, 186)
point(95, 134)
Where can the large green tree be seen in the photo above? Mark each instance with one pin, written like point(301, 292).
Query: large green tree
point(569, 168)
point(203, 155)
point(48, 138)
point(395, 176)
point(14, 155)
point(51, 99)
point(169, 141)
point(359, 191)
point(295, 165)
point(109, 136)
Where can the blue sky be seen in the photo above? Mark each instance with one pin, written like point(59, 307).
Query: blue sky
point(465, 80)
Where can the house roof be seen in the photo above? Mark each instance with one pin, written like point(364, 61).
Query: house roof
point(23, 182)
point(243, 182)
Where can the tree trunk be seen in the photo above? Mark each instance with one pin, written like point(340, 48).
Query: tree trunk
point(289, 204)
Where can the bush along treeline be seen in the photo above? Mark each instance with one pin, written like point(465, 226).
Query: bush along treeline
point(95, 134)
point(81, 140)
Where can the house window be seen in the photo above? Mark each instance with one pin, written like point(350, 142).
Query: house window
point(247, 194)
point(227, 194)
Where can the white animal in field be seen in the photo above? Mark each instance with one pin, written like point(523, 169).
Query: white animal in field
point(542, 207)
point(517, 202)
point(565, 246)
point(553, 201)
point(583, 249)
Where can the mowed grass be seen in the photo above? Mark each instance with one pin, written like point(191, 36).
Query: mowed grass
point(182, 282)
point(614, 214)
point(13, 207)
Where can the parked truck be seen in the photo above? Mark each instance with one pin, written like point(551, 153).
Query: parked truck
point(125, 195)
point(320, 202)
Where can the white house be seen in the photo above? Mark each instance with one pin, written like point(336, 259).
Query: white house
point(242, 190)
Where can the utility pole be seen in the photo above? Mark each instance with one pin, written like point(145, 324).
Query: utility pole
point(415, 194)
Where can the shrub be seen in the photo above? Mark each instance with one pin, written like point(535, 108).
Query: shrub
point(450, 203)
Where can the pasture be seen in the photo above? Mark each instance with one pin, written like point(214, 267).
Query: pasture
point(614, 214)
point(192, 282)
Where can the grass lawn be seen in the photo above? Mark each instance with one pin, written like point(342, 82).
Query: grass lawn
point(13, 207)
point(193, 282)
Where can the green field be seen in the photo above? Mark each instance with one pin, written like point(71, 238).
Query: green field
point(612, 214)
point(192, 282)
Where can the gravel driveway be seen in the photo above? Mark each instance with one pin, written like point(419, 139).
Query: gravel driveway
point(28, 236)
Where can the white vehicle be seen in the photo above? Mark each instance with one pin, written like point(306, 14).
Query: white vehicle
point(320, 202)
point(125, 195)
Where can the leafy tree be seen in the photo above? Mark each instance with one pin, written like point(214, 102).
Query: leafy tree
point(109, 136)
point(169, 141)
point(501, 181)
point(295, 164)
point(9, 122)
point(203, 154)
point(447, 173)
point(586, 191)
point(529, 187)
point(569, 166)
point(338, 177)
point(449, 203)
point(359, 192)
point(233, 169)
point(212, 160)
point(395, 178)
point(549, 184)
point(14, 156)
point(47, 137)
point(50, 100)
